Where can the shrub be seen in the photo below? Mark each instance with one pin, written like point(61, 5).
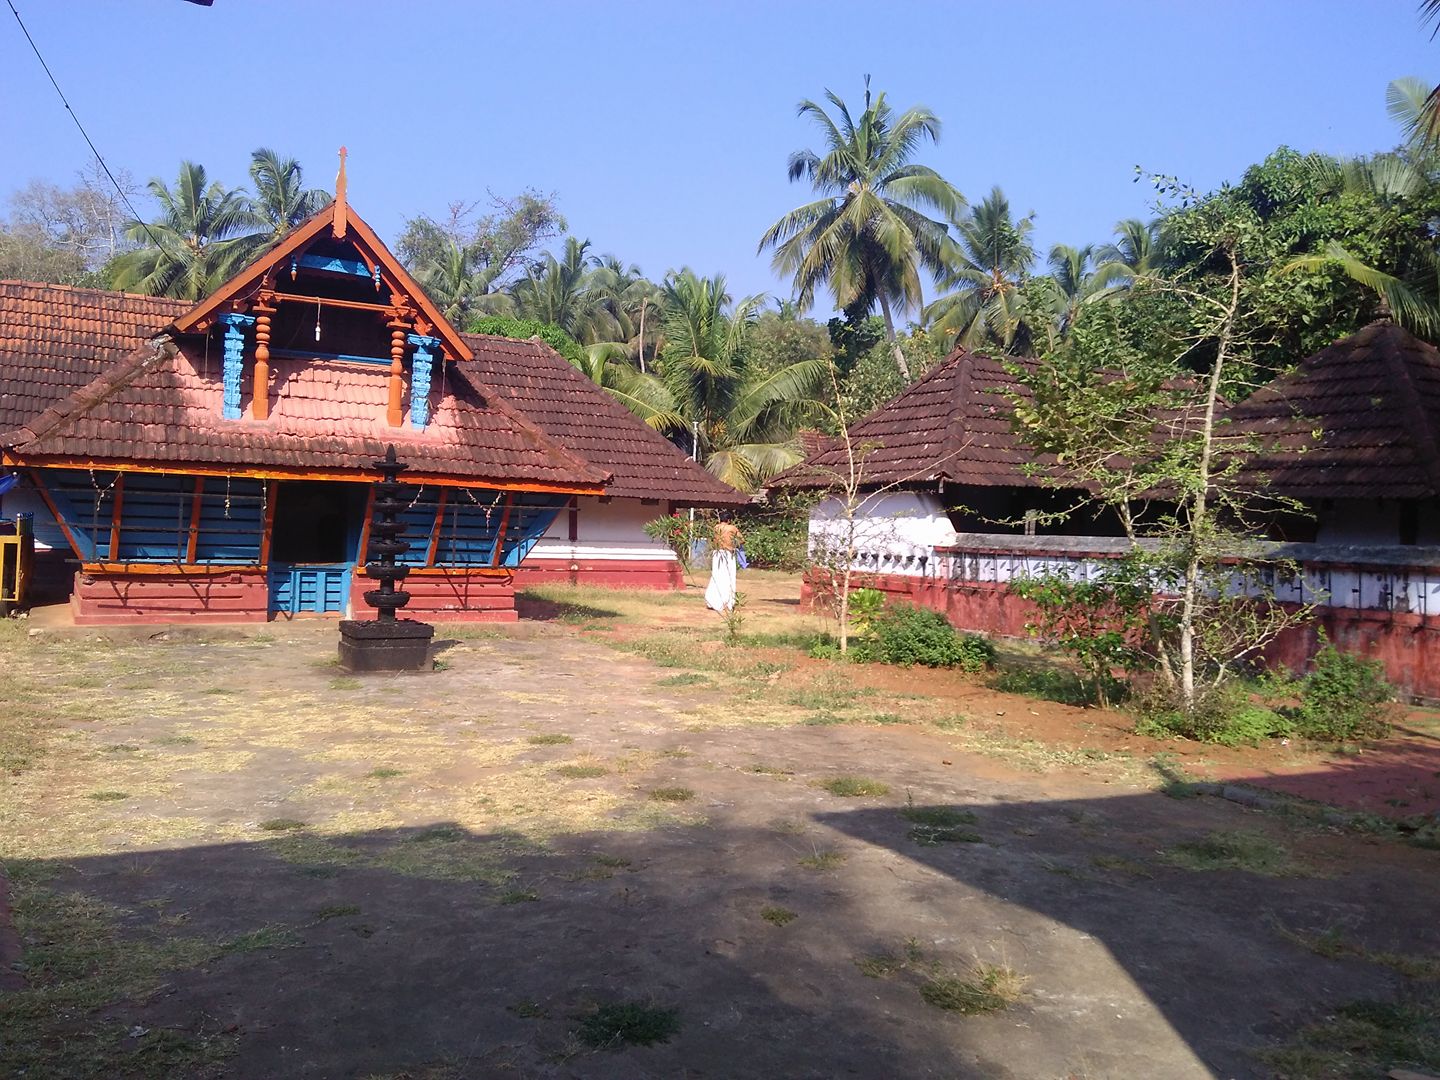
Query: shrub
point(1224, 715)
point(908, 635)
point(680, 533)
point(524, 329)
point(1344, 696)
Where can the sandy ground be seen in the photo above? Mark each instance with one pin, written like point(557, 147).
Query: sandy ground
point(229, 859)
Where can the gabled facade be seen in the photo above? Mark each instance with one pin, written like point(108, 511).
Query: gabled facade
point(211, 461)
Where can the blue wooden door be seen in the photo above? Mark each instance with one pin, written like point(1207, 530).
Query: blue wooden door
point(309, 589)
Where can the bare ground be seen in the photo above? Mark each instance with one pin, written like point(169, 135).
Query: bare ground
point(227, 858)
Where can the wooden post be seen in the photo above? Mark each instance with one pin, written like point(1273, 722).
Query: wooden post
point(435, 532)
point(260, 402)
point(271, 490)
point(398, 329)
point(499, 552)
point(193, 541)
point(117, 505)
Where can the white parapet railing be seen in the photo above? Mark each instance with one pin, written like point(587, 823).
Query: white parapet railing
point(1396, 579)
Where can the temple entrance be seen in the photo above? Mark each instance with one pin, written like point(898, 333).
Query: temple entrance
point(314, 545)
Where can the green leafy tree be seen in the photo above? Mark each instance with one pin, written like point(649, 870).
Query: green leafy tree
point(281, 197)
point(868, 236)
point(558, 291)
point(741, 422)
point(203, 235)
point(988, 264)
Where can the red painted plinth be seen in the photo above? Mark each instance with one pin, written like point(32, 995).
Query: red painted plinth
point(448, 597)
point(1407, 645)
point(101, 599)
point(606, 573)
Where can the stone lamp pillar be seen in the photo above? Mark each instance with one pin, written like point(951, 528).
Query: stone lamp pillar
point(386, 643)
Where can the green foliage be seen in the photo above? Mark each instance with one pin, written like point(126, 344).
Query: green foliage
point(1344, 696)
point(777, 536)
point(908, 635)
point(629, 1023)
point(1101, 621)
point(524, 329)
point(1048, 684)
point(680, 532)
point(1225, 715)
point(865, 605)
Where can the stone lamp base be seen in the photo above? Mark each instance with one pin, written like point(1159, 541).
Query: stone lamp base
point(385, 645)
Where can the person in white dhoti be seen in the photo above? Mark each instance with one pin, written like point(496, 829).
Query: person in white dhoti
point(720, 593)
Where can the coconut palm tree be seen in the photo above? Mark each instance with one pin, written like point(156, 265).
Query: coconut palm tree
point(1136, 247)
point(868, 236)
point(460, 291)
point(989, 263)
point(607, 365)
point(633, 303)
point(204, 234)
point(280, 195)
point(741, 423)
point(1076, 278)
point(557, 291)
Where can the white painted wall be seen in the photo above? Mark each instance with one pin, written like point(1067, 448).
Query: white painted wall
point(606, 530)
point(896, 532)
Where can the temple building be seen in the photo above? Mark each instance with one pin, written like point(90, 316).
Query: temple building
point(951, 509)
point(211, 461)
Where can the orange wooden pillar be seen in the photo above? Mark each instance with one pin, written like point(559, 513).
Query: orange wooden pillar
point(394, 414)
point(260, 402)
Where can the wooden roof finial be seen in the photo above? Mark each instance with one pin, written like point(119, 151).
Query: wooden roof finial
point(341, 210)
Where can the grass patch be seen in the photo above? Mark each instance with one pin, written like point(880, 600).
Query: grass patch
point(768, 770)
point(854, 786)
point(581, 772)
point(385, 772)
point(672, 794)
point(631, 1023)
point(986, 988)
point(687, 678)
point(174, 740)
point(553, 739)
point(1252, 852)
point(1364, 1039)
point(280, 824)
point(527, 1010)
point(345, 682)
point(823, 860)
point(108, 796)
point(1334, 945)
point(1118, 864)
point(519, 896)
point(1047, 684)
point(939, 824)
point(778, 916)
point(266, 937)
point(336, 911)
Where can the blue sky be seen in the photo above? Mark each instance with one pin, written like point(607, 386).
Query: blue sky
point(664, 127)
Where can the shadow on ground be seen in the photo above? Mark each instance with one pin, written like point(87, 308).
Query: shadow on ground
point(440, 953)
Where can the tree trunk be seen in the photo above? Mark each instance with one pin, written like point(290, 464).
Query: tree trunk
point(890, 335)
point(643, 306)
point(1199, 508)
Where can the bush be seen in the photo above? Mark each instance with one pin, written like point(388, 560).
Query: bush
point(906, 634)
point(1225, 715)
point(524, 329)
point(1344, 696)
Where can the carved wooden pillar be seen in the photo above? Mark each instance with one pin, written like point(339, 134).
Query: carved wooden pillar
point(260, 401)
point(399, 327)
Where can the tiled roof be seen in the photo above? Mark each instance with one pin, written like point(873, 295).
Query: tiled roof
point(1374, 400)
point(589, 422)
point(54, 339)
point(163, 407)
point(953, 425)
